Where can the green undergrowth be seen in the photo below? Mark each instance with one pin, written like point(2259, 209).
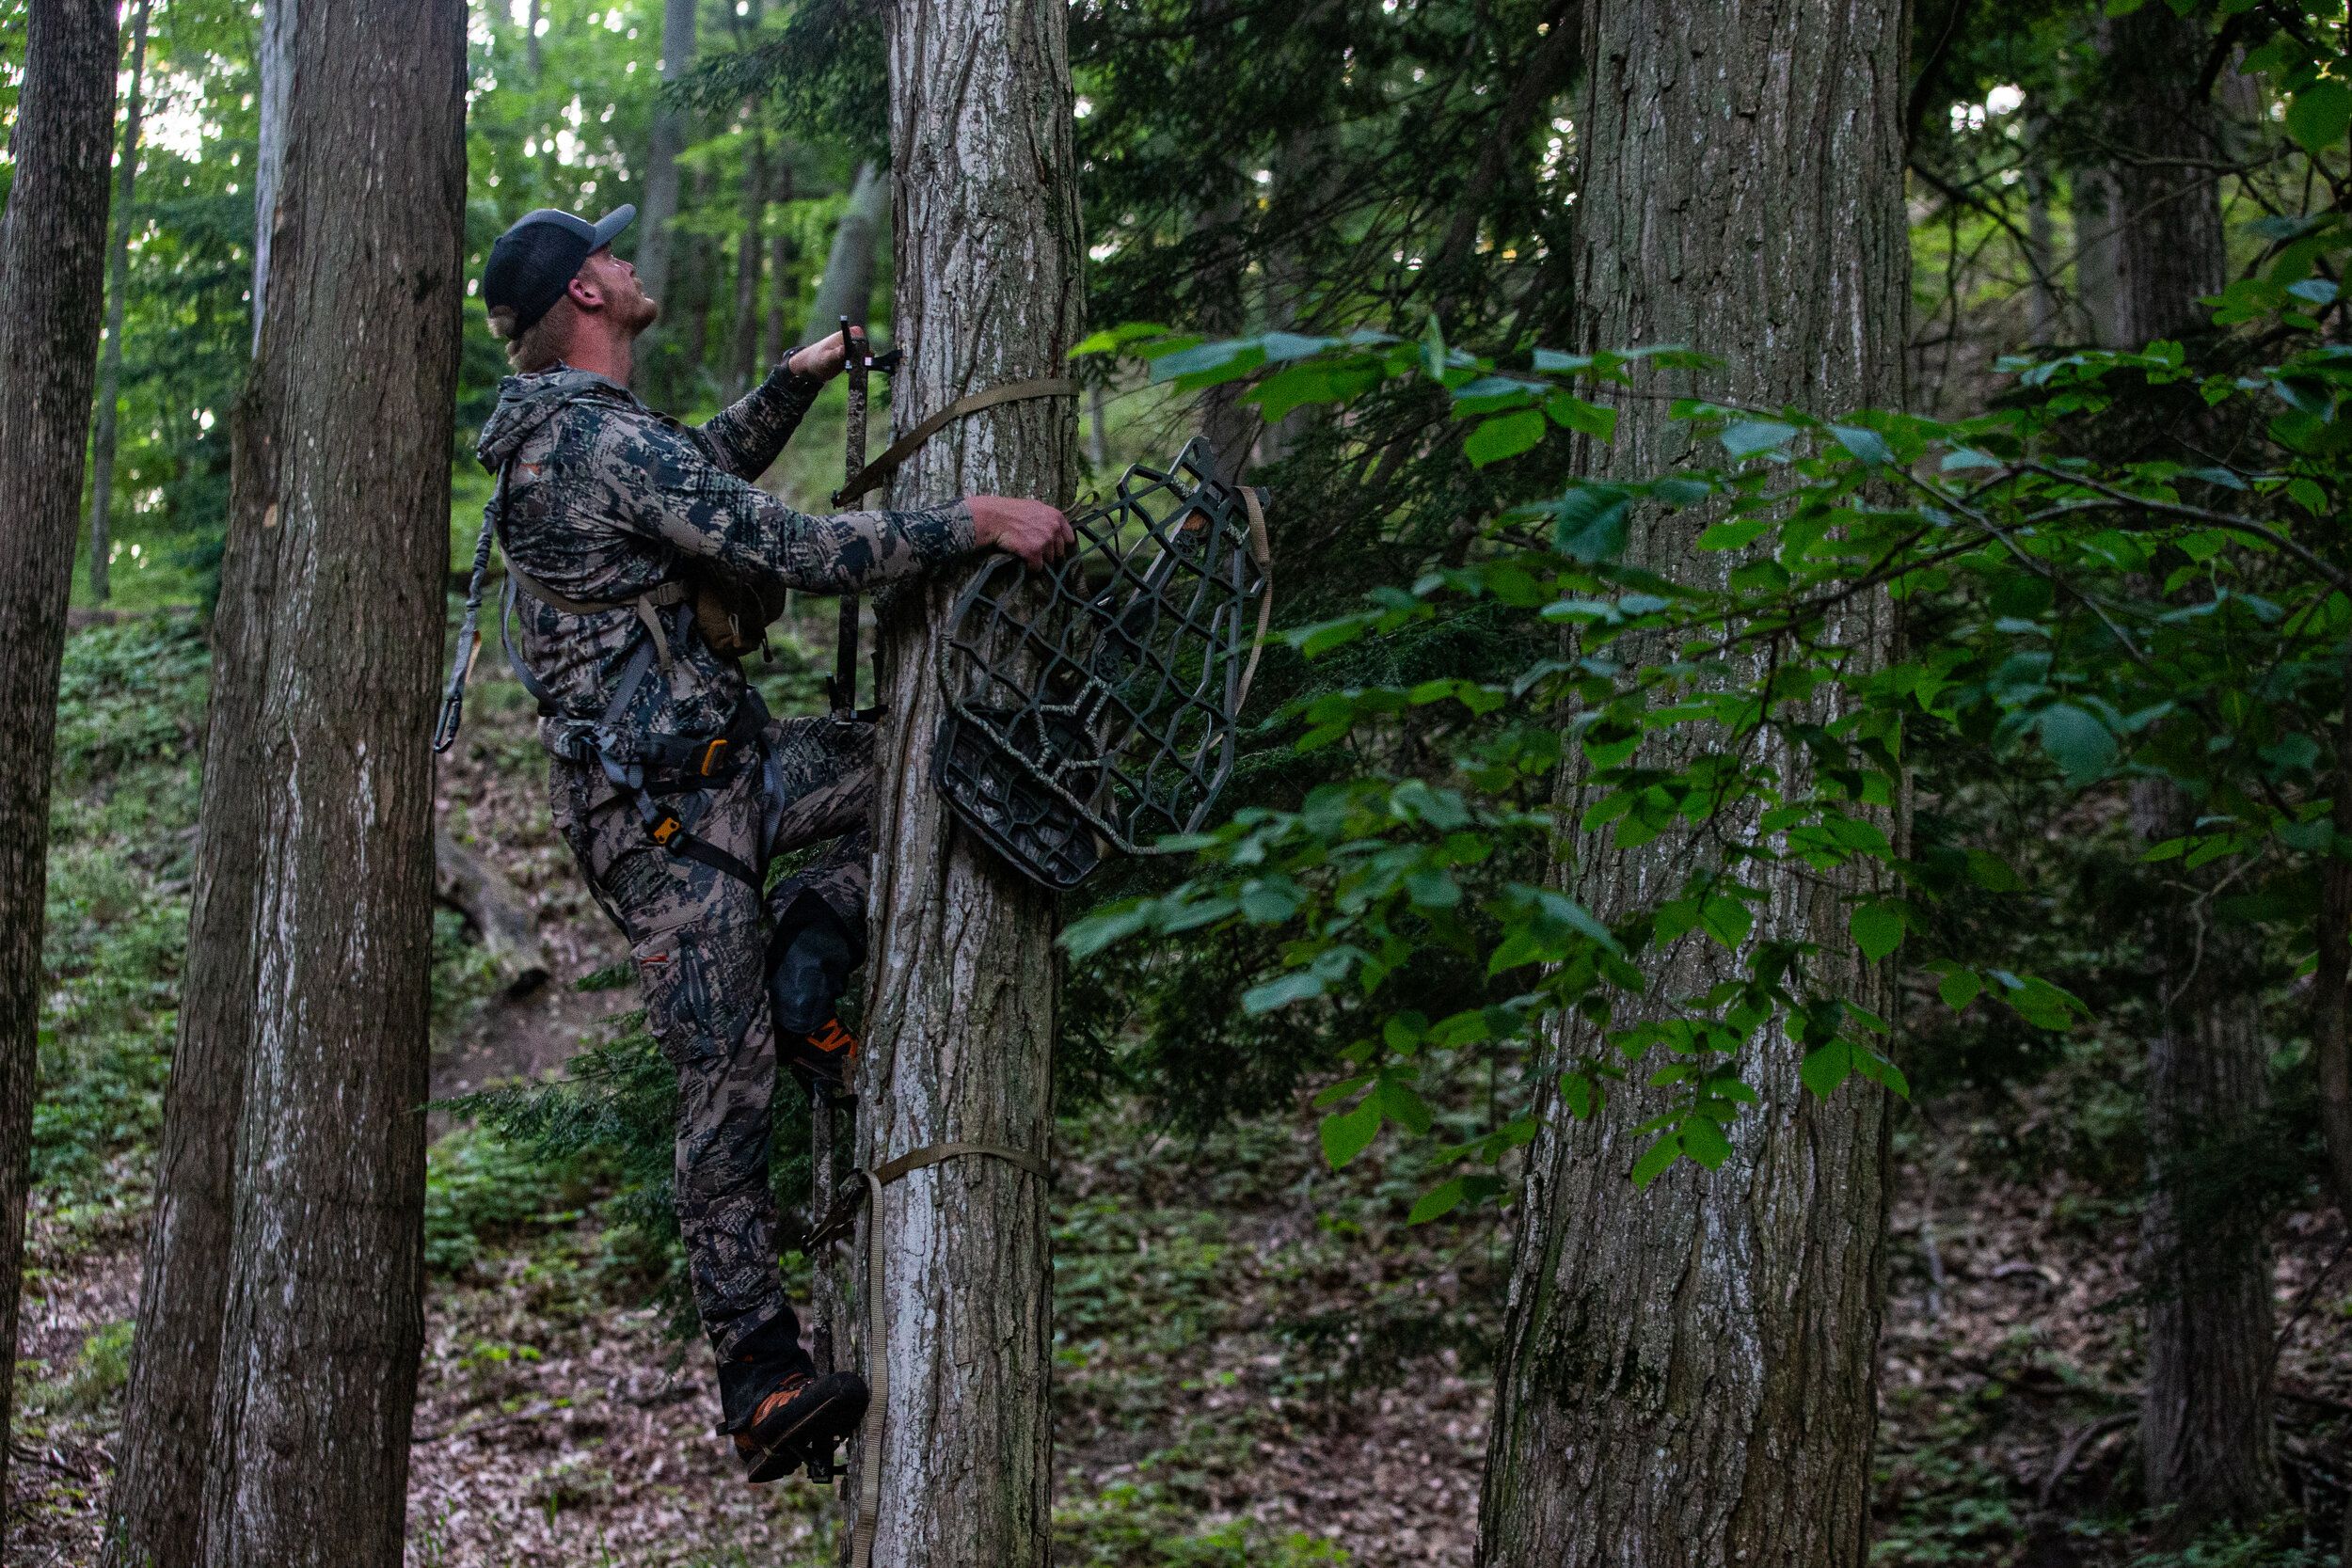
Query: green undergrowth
point(123, 817)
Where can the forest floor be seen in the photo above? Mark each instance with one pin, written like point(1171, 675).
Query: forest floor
point(1256, 1361)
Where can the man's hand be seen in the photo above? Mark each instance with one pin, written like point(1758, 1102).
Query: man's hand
point(1031, 530)
point(824, 358)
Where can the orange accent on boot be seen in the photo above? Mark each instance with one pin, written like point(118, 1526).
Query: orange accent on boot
point(776, 1400)
point(832, 1038)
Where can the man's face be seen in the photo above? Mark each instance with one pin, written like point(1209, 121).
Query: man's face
point(614, 282)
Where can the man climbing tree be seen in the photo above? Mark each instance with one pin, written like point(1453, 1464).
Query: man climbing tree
point(643, 563)
point(1688, 1372)
point(962, 1025)
point(55, 220)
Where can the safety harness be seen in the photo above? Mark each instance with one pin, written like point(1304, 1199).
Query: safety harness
point(654, 773)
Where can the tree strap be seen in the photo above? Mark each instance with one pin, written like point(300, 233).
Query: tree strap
point(877, 1361)
point(877, 473)
point(1261, 548)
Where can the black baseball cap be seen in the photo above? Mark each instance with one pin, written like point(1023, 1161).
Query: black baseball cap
point(533, 263)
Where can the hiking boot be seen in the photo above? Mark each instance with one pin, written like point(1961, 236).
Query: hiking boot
point(821, 1056)
point(802, 1416)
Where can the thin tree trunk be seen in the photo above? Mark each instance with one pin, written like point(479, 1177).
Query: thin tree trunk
point(695, 280)
point(743, 340)
point(2206, 1417)
point(848, 287)
point(531, 40)
point(271, 1398)
point(102, 483)
point(1230, 425)
point(2042, 298)
point(783, 275)
point(1687, 1372)
point(55, 220)
point(963, 978)
point(666, 139)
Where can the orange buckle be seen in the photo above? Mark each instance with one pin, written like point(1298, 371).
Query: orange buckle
point(832, 1038)
point(711, 754)
point(663, 830)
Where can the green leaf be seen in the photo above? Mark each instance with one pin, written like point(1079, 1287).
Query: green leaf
point(1104, 926)
point(1877, 927)
point(1959, 987)
point(1585, 418)
point(1867, 445)
point(2320, 114)
point(1750, 437)
point(1576, 1092)
point(1348, 1133)
point(1589, 522)
point(1504, 436)
point(1703, 1141)
point(1824, 1070)
point(1656, 1159)
point(1280, 992)
point(2076, 740)
point(1401, 1105)
point(1449, 1196)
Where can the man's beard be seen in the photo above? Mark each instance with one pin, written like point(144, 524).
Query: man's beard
point(644, 313)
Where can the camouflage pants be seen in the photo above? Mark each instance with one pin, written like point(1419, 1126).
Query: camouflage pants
point(700, 938)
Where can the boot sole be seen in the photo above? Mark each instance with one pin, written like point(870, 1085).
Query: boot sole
point(789, 1452)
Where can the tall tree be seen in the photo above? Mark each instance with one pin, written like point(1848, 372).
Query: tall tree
point(2205, 1424)
point(102, 461)
point(964, 970)
point(271, 1398)
point(783, 277)
point(1687, 1372)
point(847, 289)
point(654, 242)
point(55, 220)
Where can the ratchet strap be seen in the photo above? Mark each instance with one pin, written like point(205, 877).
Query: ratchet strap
point(836, 1225)
point(877, 473)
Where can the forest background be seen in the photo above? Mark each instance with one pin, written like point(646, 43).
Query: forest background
point(1260, 183)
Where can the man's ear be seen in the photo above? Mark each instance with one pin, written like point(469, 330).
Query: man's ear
point(583, 293)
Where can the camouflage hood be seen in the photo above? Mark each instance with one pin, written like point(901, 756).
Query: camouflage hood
point(527, 402)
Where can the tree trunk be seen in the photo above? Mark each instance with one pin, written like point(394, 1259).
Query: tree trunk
point(848, 287)
point(531, 41)
point(783, 277)
point(963, 981)
point(2206, 1417)
point(102, 462)
point(55, 220)
point(1687, 1372)
point(666, 139)
point(271, 1398)
point(2170, 250)
point(743, 340)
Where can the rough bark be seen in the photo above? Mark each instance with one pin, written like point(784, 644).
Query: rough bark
point(2205, 1416)
point(2166, 211)
point(847, 289)
point(55, 220)
point(665, 140)
point(963, 971)
point(1687, 1372)
point(101, 461)
point(271, 1398)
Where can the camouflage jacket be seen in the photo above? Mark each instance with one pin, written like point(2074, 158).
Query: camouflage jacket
point(607, 499)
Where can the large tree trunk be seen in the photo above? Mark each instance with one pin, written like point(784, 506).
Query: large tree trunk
point(847, 289)
point(962, 978)
point(1687, 1372)
point(2166, 211)
point(54, 222)
point(271, 1400)
point(102, 460)
point(666, 139)
point(2205, 1418)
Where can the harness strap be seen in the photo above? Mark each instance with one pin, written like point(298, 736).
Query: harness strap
point(645, 605)
point(869, 1191)
point(877, 473)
